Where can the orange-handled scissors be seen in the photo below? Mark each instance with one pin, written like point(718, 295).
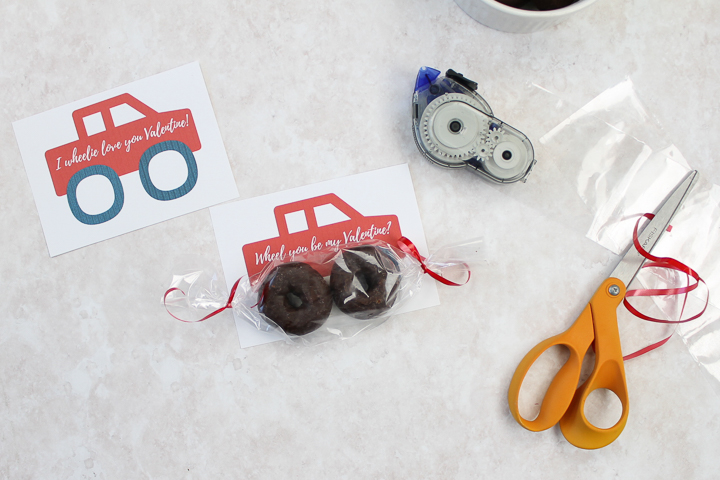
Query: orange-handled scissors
point(564, 401)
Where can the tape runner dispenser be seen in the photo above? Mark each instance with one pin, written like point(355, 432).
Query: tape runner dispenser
point(454, 127)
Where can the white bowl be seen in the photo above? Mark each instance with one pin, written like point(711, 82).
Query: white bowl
point(515, 20)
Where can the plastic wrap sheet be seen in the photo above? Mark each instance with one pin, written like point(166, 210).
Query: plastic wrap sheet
point(614, 156)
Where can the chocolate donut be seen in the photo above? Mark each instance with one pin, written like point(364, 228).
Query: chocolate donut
point(358, 282)
point(296, 297)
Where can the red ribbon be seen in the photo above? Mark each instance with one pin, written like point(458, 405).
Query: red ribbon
point(408, 247)
point(670, 264)
point(210, 315)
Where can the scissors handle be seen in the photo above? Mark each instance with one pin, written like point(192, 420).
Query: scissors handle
point(560, 393)
point(564, 402)
point(609, 372)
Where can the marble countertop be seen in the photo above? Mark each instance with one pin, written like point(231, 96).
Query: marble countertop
point(96, 381)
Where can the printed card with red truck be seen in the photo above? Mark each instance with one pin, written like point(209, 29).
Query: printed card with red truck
point(125, 159)
point(376, 205)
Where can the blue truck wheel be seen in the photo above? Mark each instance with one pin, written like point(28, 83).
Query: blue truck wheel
point(144, 169)
point(108, 214)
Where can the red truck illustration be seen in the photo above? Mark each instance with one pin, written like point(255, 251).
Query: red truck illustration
point(286, 245)
point(122, 148)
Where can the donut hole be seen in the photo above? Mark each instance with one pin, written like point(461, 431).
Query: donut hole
point(294, 300)
point(366, 280)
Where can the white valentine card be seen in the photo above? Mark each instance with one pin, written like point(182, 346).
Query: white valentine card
point(124, 159)
point(251, 233)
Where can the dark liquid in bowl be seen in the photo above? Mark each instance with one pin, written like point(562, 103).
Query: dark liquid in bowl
point(537, 4)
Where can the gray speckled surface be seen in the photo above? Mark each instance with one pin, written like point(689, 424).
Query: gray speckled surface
point(96, 381)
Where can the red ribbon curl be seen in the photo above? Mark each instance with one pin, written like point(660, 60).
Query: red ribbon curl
point(669, 264)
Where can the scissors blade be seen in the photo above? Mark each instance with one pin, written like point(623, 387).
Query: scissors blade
point(633, 260)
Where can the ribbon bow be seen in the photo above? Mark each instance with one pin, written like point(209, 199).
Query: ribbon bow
point(408, 247)
point(211, 314)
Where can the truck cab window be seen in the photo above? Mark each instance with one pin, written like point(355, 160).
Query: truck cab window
point(94, 124)
point(124, 113)
point(296, 221)
point(328, 214)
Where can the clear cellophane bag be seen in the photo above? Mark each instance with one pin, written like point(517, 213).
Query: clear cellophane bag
point(321, 295)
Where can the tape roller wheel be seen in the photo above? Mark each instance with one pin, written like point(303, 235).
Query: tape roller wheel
point(452, 127)
point(509, 158)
